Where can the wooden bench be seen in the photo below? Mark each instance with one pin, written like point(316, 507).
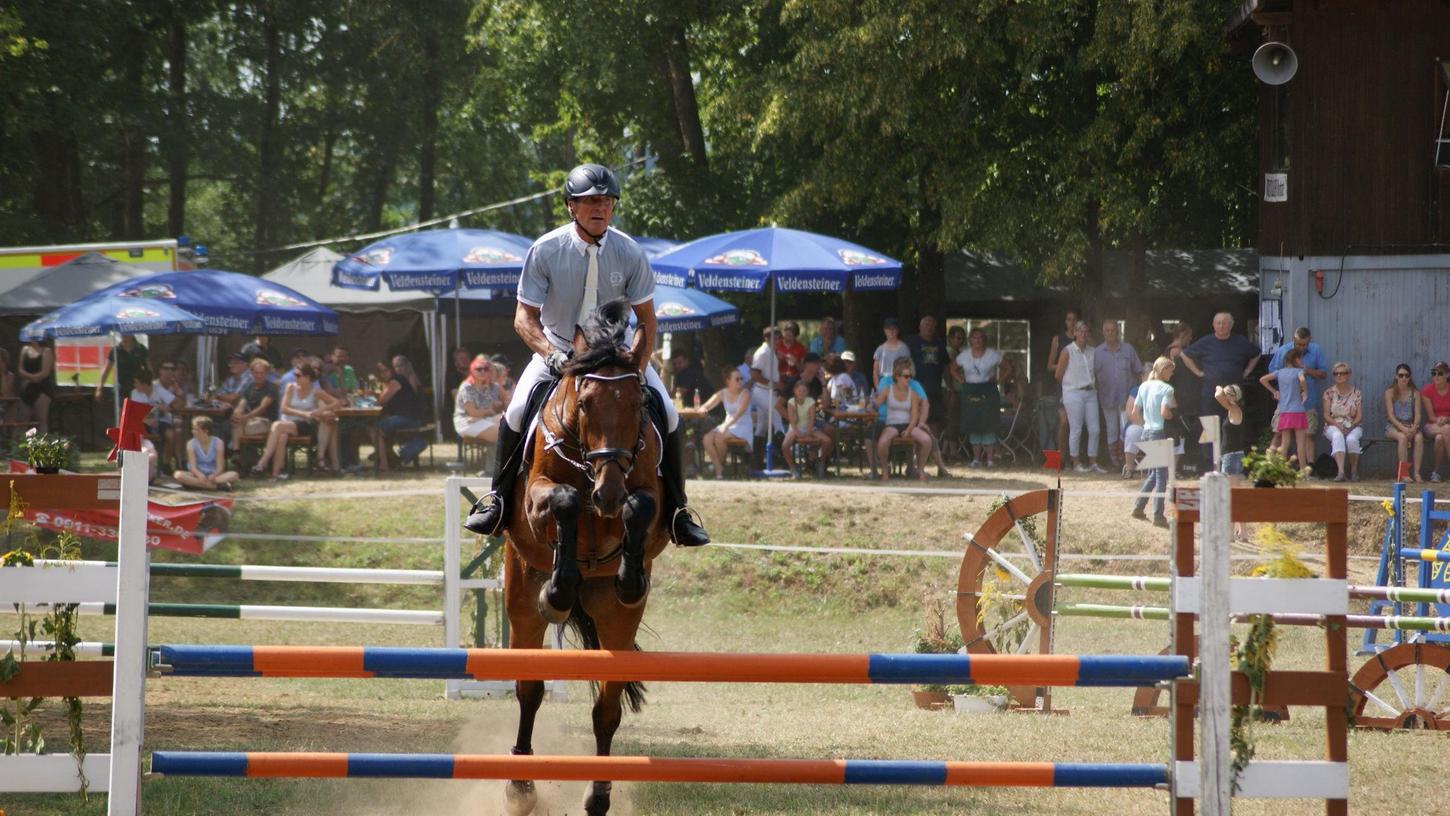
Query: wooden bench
point(426, 432)
point(476, 455)
point(737, 455)
point(251, 447)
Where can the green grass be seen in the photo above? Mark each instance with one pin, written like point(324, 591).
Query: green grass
point(708, 600)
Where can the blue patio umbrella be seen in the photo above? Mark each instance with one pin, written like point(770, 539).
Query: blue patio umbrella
point(683, 310)
point(786, 259)
point(437, 261)
point(230, 302)
point(99, 315)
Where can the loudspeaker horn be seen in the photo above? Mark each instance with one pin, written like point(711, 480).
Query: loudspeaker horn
point(1275, 63)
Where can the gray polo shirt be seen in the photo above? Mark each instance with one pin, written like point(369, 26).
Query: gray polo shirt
point(555, 269)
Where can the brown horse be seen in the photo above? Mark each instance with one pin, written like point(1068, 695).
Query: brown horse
point(584, 527)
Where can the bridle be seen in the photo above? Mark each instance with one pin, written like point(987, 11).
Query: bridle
point(563, 440)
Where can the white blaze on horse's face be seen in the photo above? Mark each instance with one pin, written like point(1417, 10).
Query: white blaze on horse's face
point(610, 423)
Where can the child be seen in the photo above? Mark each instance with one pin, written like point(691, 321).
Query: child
point(1291, 392)
point(205, 456)
point(1232, 444)
point(801, 413)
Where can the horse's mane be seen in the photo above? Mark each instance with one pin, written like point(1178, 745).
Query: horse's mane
point(604, 331)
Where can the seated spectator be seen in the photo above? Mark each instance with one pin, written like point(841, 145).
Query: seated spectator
point(306, 410)
point(792, 353)
point(159, 421)
point(981, 398)
point(36, 374)
point(1436, 409)
point(238, 376)
point(257, 407)
point(864, 387)
point(1342, 413)
point(501, 376)
point(299, 359)
point(905, 405)
point(801, 414)
point(688, 381)
point(479, 404)
point(1134, 431)
point(844, 391)
point(1402, 413)
point(827, 341)
point(402, 410)
point(736, 399)
point(883, 361)
point(338, 377)
point(149, 448)
point(205, 460)
point(172, 376)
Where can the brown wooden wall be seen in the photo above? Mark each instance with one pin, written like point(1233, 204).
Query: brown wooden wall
point(1363, 111)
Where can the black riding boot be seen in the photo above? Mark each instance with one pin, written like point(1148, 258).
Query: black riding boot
point(683, 528)
point(487, 515)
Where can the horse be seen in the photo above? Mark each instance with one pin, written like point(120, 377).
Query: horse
point(583, 528)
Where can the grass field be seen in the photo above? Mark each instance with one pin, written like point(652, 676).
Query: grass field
point(715, 599)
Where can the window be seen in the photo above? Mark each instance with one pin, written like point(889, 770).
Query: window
point(1011, 337)
point(1442, 133)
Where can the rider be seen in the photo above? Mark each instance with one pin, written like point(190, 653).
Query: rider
point(568, 272)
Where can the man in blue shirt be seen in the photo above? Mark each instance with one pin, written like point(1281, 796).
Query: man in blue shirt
point(1315, 370)
point(1221, 358)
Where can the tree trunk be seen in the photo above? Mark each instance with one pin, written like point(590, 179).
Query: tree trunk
point(428, 149)
point(133, 139)
point(266, 143)
point(178, 130)
point(387, 162)
point(682, 90)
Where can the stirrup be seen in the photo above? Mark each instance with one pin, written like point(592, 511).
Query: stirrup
point(692, 516)
point(479, 507)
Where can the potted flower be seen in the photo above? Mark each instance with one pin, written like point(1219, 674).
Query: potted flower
point(45, 453)
point(973, 699)
point(1267, 468)
point(938, 637)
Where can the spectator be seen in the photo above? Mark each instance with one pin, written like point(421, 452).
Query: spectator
point(827, 341)
point(185, 385)
point(299, 359)
point(501, 376)
point(689, 382)
point(801, 414)
point(257, 408)
point(1233, 442)
point(238, 375)
point(1053, 400)
point(1154, 407)
point(402, 411)
point(952, 442)
point(478, 406)
point(762, 370)
point(791, 352)
point(981, 398)
point(1343, 412)
point(307, 410)
point(1116, 368)
point(340, 379)
point(842, 390)
point(125, 358)
point(170, 376)
point(1314, 365)
point(205, 459)
point(904, 402)
point(736, 400)
point(261, 346)
point(458, 372)
point(1134, 430)
point(1222, 358)
point(744, 367)
point(159, 420)
point(884, 359)
point(36, 376)
point(1075, 372)
point(1402, 413)
point(929, 357)
point(1288, 387)
point(1012, 383)
point(863, 385)
point(1436, 409)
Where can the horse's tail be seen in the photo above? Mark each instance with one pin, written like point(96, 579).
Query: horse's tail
point(583, 627)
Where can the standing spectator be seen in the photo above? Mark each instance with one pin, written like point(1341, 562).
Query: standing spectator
point(1051, 403)
point(952, 443)
point(261, 346)
point(744, 367)
point(689, 382)
point(1312, 361)
point(1222, 358)
point(929, 356)
point(893, 349)
point(764, 368)
point(205, 459)
point(1154, 407)
point(1075, 372)
point(981, 397)
point(257, 408)
point(791, 352)
point(1343, 412)
point(478, 406)
point(341, 379)
point(736, 399)
point(1186, 388)
point(458, 372)
point(402, 411)
point(238, 376)
point(1288, 387)
point(1436, 395)
point(1402, 414)
point(37, 382)
point(827, 341)
point(901, 397)
point(1116, 367)
point(1233, 442)
point(125, 358)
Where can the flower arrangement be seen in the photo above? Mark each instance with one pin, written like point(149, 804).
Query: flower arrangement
point(1268, 468)
point(941, 637)
point(46, 452)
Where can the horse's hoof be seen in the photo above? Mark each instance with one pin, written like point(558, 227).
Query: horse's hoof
point(549, 611)
point(596, 802)
point(520, 798)
point(632, 596)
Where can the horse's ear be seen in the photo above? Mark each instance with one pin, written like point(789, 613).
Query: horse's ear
point(580, 345)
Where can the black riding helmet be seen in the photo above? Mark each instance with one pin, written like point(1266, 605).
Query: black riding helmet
point(591, 180)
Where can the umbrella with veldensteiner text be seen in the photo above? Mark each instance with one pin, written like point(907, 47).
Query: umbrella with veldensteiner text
point(102, 315)
point(778, 258)
point(231, 302)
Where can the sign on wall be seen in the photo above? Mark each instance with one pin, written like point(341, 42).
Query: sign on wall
point(1276, 187)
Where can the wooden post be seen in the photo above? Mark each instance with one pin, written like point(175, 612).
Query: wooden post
point(128, 696)
point(1185, 702)
point(1216, 530)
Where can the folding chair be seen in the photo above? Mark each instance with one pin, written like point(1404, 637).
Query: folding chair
point(1018, 438)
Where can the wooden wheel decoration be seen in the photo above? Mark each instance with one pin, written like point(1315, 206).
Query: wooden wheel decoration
point(1001, 545)
point(1405, 686)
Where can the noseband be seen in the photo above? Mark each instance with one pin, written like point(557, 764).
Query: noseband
point(587, 461)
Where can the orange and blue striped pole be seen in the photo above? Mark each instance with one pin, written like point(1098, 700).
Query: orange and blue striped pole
point(649, 769)
point(558, 664)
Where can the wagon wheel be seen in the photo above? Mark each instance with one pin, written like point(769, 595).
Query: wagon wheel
point(1405, 686)
point(1028, 590)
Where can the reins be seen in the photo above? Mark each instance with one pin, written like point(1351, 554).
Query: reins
point(565, 440)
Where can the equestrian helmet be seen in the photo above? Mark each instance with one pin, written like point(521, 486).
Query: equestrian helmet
point(591, 180)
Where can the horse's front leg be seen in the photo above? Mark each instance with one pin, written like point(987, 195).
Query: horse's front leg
point(631, 584)
point(526, 631)
point(562, 504)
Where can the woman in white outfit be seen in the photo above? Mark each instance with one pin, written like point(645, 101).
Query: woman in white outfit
point(1079, 397)
point(1343, 413)
point(736, 399)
